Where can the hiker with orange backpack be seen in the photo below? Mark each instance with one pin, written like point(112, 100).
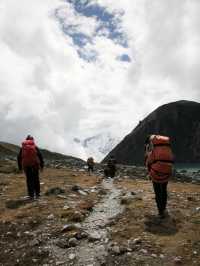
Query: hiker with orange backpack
point(30, 160)
point(159, 160)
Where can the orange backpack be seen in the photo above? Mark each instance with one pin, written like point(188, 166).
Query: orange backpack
point(29, 154)
point(160, 159)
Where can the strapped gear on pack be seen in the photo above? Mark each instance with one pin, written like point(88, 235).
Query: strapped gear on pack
point(29, 154)
point(90, 161)
point(160, 158)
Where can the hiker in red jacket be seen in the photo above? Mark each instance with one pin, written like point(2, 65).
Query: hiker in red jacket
point(30, 160)
point(159, 162)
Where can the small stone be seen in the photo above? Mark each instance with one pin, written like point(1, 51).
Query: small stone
point(73, 242)
point(75, 188)
point(144, 251)
point(69, 227)
point(94, 237)
point(62, 244)
point(162, 256)
point(72, 256)
point(115, 250)
point(137, 240)
point(154, 255)
point(126, 200)
point(59, 263)
point(62, 196)
point(34, 242)
point(50, 217)
point(178, 260)
point(82, 192)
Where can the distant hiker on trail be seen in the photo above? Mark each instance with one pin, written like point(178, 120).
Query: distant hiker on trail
point(159, 162)
point(30, 160)
point(90, 164)
point(110, 169)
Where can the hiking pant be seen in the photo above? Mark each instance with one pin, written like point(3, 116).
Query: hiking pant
point(90, 168)
point(33, 182)
point(160, 190)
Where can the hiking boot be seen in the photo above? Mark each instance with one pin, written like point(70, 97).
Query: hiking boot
point(30, 198)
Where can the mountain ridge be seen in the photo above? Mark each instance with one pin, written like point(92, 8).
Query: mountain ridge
point(180, 120)
point(9, 150)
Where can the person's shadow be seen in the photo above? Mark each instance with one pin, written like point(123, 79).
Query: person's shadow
point(155, 225)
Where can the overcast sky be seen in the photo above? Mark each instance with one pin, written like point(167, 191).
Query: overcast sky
point(78, 68)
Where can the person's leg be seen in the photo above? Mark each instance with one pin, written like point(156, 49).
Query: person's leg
point(164, 195)
point(29, 182)
point(36, 182)
point(112, 172)
point(89, 169)
point(158, 196)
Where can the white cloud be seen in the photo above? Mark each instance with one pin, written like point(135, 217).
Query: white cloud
point(47, 90)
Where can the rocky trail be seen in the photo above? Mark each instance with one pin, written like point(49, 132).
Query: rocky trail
point(93, 249)
point(83, 220)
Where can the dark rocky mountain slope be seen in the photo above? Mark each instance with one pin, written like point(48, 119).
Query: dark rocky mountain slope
point(179, 120)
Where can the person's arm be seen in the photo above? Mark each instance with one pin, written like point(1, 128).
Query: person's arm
point(150, 159)
point(39, 154)
point(19, 160)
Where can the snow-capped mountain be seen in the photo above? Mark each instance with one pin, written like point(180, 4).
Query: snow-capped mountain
point(97, 146)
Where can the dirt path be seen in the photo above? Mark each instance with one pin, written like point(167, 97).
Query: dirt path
point(93, 251)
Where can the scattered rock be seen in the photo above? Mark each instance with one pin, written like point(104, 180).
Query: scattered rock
point(81, 235)
point(126, 200)
point(59, 263)
point(137, 240)
point(178, 260)
point(76, 217)
point(94, 237)
point(34, 242)
point(54, 191)
point(62, 243)
point(144, 251)
point(72, 242)
point(198, 209)
point(50, 217)
point(69, 227)
point(83, 193)
point(115, 250)
point(72, 256)
point(75, 188)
